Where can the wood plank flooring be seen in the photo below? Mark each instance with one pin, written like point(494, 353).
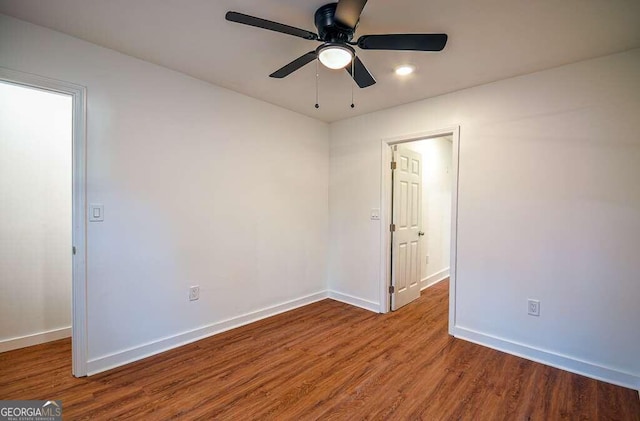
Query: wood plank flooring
point(328, 361)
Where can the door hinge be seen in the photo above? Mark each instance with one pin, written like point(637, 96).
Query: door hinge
point(392, 289)
point(393, 165)
point(73, 250)
point(392, 227)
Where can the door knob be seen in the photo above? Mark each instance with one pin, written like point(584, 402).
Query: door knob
point(420, 233)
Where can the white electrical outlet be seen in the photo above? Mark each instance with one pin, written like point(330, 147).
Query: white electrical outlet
point(533, 307)
point(194, 293)
point(427, 260)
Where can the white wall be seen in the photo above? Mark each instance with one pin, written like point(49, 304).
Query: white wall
point(436, 207)
point(549, 208)
point(200, 186)
point(35, 215)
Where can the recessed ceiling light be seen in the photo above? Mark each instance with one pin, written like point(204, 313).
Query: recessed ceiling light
point(405, 69)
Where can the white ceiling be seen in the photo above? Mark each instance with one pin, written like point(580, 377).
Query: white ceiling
point(489, 40)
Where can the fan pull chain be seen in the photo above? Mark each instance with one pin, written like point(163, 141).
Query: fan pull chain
point(317, 77)
point(353, 69)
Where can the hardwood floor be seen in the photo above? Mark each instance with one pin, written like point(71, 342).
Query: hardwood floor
point(327, 360)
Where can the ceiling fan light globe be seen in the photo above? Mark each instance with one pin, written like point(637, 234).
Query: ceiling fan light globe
point(335, 57)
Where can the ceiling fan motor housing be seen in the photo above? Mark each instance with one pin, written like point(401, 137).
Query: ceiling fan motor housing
point(329, 29)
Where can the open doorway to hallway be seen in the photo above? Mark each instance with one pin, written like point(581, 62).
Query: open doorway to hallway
point(42, 213)
point(420, 193)
point(35, 215)
point(421, 214)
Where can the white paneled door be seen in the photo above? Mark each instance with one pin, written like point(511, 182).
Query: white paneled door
point(406, 234)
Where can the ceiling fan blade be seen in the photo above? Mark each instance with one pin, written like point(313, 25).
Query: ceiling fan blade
point(294, 65)
point(360, 74)
point(415, 42)
point(270, 25)
point(348, 12)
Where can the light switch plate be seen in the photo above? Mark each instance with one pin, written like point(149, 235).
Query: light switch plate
point(375, 214)
point(96, 212)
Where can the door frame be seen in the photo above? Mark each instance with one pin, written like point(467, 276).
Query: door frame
point(385, 213)
point(78, 93)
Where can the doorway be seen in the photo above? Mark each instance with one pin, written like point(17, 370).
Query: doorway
point(419, 209)
point(42, 213)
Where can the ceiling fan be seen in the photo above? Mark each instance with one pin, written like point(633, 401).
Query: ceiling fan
point(336, 24)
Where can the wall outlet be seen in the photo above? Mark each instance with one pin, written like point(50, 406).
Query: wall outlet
point(533, 307)
point(194, 293)
point(427, 260)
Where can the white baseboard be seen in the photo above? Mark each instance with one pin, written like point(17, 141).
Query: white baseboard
point(35, 339)
point(354, 301)
point(563, 362)
point(130, 355)
point(434, 279)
